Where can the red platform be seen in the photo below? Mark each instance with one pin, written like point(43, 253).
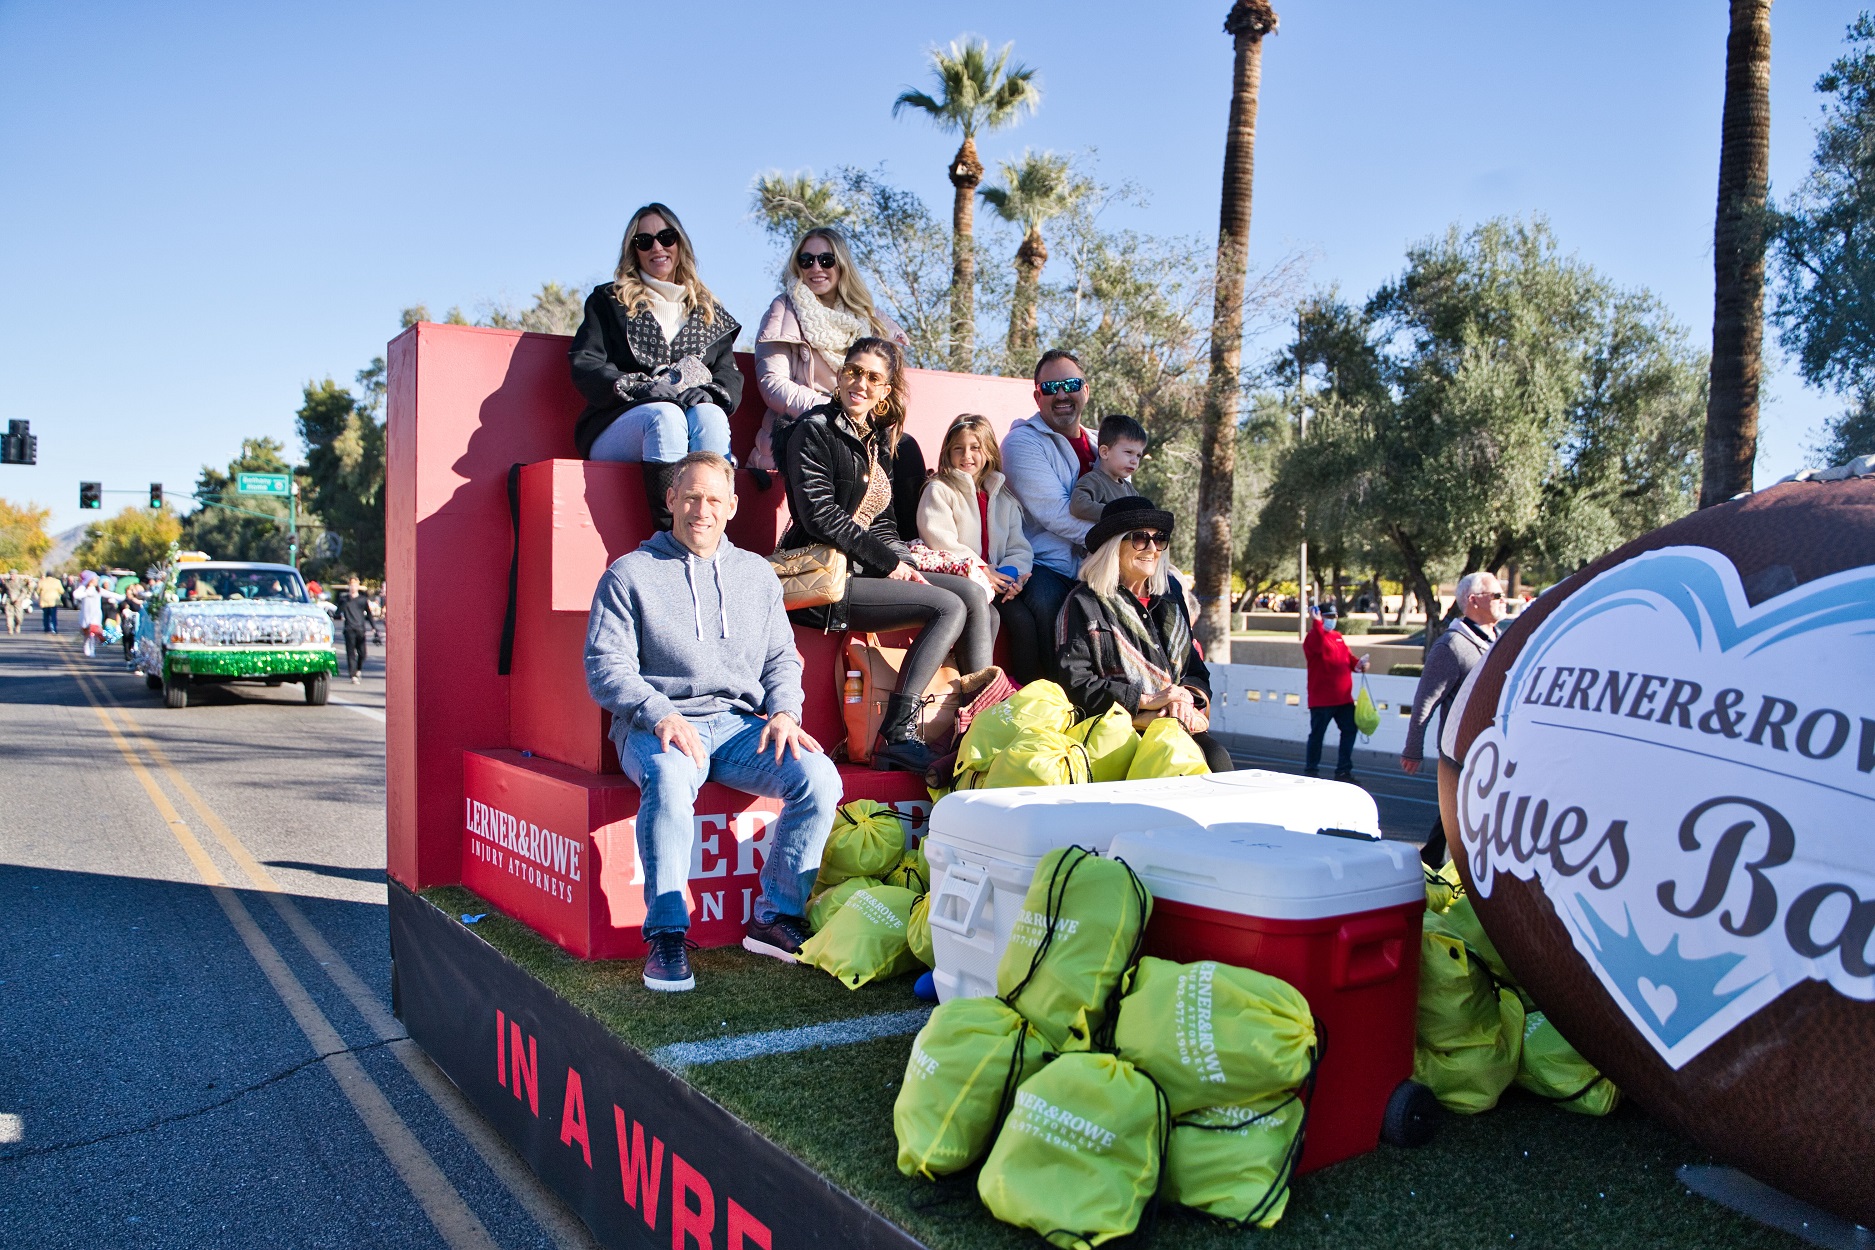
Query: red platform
point(466, 403)
point(556, 848)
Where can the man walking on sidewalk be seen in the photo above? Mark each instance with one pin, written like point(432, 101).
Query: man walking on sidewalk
point(690, 650)
point(1331, 667)
point(1449, 661)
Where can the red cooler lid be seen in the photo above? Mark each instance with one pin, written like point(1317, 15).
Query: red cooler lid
point(1275, 873)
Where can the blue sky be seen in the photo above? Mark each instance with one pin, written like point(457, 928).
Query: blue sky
point(204, 206)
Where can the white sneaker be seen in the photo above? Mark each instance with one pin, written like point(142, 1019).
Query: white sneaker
point(355, 679)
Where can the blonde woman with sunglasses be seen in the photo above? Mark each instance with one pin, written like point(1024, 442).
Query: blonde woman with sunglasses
point(800, 346)
point(1124, 635)
point(840, 462)
point(655, 358)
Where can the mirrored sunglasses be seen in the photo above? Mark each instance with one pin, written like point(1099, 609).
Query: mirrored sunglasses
point(1062, 386)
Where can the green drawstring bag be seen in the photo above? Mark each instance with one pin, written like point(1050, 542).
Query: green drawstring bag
point(866, 939)
point(913, 872)
point(1166, 750)
point(1550, 1068)
point(918, 931)
point(1235, 1163)
point(1461, 920)
point(1366, 715)
point(1111, 743)
point(1038, 757)
point(868, 840)
point(1470, 1031)
point(1038, 705)
point(1470, 1079)
point(821, 907)
point(1214, 1035)
point(1443, 887)
point(1079, 931)
point(1079, 1157)
point(965, 1066)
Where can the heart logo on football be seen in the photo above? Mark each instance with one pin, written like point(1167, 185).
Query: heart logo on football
point(1686, 774)
point(1660, 999)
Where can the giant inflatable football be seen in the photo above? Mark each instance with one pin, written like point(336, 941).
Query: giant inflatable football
point(1666, 812)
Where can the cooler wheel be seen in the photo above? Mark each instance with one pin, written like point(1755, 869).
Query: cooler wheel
point(1412, 1116)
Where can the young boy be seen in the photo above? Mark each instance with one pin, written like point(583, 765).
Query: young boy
point(1122, 445)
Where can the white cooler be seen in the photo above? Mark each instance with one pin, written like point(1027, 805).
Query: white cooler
point(984, 845)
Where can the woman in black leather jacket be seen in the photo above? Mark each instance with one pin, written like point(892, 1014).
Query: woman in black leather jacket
point(840, 462)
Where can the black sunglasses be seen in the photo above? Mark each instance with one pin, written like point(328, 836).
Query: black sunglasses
point(1142, 539)
point(667, 236)
point(807, 260)
point(1065, 386)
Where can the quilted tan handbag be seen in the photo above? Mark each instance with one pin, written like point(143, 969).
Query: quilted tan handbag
point(811, 576)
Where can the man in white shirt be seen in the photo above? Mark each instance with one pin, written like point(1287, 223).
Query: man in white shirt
point(1043, 455)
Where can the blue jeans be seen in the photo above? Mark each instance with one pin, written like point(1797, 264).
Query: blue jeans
point(662, 432)
point(809, 789)
point(49, 620)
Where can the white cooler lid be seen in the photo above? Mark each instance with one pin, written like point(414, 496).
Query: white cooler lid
point(1030, 821)
point(1276, 873)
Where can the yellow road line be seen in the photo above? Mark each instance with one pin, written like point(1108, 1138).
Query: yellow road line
point(204, 866)
point(448, 1213)
point(528, 1191)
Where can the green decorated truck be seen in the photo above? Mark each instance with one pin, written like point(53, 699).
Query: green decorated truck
point(227, 621)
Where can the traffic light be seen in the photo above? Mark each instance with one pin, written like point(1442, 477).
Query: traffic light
point(156, 496)
point(90, 494)
point(18, 445)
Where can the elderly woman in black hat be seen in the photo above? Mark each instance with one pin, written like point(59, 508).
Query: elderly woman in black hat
point(1124, 635)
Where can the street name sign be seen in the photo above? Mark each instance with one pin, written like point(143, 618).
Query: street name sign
point(262, 483)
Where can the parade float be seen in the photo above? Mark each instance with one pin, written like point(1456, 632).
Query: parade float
point(759, 1110)
point(218, 621)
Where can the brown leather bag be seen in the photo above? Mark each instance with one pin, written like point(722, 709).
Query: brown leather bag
point(811, 576)
point(870, 677)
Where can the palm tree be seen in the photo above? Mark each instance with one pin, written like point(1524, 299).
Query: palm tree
point(977, 90)
point(788, 205)
point(1035, 189)
point(1738, 256)
point(1247, 23)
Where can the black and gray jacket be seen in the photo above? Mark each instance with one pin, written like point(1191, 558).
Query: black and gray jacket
point(1450, 659)
point(614, 357)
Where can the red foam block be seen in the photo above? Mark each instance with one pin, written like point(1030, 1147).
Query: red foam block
point(556, 848)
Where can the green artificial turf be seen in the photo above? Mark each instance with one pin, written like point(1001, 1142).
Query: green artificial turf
point(1525, 1174)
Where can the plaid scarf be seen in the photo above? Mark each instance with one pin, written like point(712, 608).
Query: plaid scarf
point(1148, 665)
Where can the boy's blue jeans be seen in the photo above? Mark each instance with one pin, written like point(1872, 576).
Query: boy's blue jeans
point(809, 789)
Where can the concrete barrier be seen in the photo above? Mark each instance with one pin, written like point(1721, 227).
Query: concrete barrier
point(1266, 701)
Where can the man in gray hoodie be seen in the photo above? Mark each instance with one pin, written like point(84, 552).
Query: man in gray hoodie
point(689, 649)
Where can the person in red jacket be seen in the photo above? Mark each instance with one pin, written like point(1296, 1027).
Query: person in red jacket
point(1331, 691)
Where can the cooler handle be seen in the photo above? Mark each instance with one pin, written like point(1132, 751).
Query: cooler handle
point(1368, 949)
point(963, 883)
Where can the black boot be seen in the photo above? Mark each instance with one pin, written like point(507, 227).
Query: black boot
point(654, 494)
point(899, 745)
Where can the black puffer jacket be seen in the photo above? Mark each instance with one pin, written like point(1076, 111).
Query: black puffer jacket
point(614, 356)
point(824, 462)
point(1087, 642)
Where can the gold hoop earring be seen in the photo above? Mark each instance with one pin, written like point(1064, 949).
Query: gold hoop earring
point(881, 408)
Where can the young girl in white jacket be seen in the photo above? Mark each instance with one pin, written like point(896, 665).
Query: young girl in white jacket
point(967, 510)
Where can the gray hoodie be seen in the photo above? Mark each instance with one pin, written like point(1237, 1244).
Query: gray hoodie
point(673, 632)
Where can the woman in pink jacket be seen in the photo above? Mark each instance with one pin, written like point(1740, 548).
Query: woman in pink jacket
point(824, 307)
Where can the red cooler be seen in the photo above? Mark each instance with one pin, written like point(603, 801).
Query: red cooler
point(1338, 918)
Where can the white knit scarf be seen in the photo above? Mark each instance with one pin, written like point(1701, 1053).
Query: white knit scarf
point(829, 331)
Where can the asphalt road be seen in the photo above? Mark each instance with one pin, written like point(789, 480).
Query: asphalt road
point(196, 1046)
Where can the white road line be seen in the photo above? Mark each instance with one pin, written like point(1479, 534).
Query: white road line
point(782, 1041)
point(376, 714)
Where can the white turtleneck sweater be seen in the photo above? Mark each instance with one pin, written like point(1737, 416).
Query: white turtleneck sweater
point(667, 305)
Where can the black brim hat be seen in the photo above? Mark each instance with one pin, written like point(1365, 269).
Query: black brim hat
point(1135, 512)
